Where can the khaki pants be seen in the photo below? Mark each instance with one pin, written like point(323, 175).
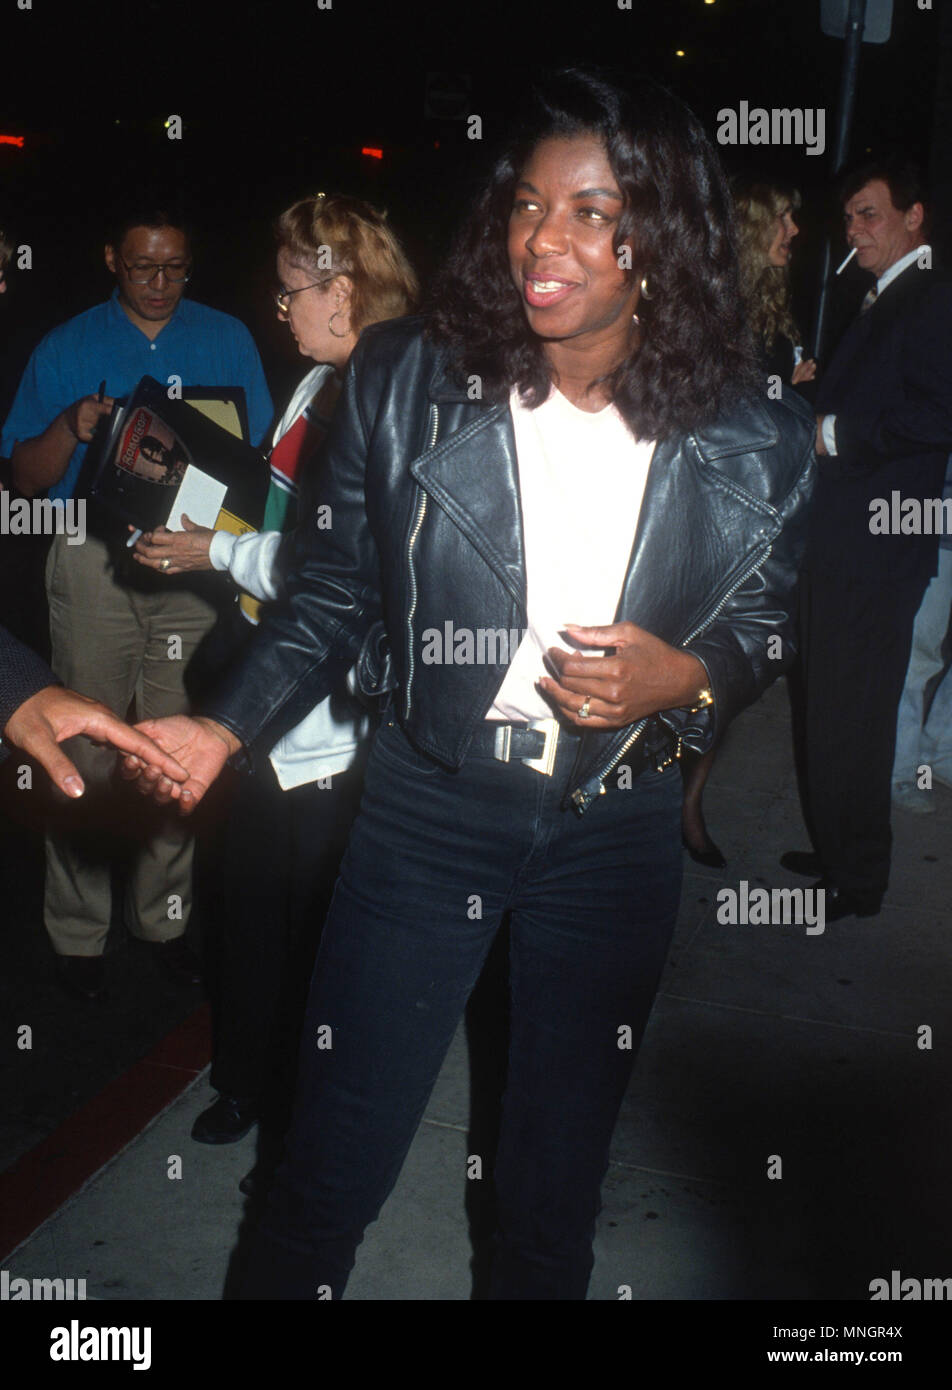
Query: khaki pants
point(112, 642)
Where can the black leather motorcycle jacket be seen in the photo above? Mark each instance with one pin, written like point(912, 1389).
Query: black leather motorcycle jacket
point(423, 486)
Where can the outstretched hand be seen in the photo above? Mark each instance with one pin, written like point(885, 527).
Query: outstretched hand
point(53, 714)
point(200, 745)
point(639, 677)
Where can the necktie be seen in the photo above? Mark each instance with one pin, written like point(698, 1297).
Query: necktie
point(869, 299)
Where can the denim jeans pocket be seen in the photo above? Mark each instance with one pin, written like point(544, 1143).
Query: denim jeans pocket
point(397, 753)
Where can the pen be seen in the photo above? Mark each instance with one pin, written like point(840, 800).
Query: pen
point(845, 263)
point(136, 534)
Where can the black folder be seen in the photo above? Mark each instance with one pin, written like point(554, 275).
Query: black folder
point(142, 451)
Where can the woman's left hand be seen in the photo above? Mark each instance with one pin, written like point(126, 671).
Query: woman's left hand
point(804, 371)
point(175, 552)
point(642, 676)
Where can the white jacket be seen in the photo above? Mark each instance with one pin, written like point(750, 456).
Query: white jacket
point(326, 741)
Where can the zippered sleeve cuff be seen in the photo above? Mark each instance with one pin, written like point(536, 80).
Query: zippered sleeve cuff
point(696, 728)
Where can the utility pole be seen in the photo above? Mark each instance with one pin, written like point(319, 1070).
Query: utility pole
point(941, 165)
point(855, 23)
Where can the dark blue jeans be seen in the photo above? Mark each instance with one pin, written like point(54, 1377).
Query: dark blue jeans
point(434, 861)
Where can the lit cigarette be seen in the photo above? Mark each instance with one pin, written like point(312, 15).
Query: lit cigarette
point(840, 268)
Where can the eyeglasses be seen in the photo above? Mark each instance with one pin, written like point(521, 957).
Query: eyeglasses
point(144, 272)
point(282, 296)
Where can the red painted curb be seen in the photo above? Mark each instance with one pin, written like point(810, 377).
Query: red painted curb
point(39, 1182)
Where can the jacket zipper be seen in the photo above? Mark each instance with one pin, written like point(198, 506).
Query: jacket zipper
point(730, 594)
point(415, 531)
point(579, 796)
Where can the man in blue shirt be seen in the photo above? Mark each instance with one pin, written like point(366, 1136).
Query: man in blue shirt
point(116, 636)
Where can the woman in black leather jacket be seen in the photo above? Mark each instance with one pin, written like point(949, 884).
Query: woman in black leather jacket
point(566, 523)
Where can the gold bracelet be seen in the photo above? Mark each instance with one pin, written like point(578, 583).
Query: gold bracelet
point(704, 699)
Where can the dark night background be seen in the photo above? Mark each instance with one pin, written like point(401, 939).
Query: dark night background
point(278, 100)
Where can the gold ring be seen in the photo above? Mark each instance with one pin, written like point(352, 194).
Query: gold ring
point(584, 710)
point(164, 564)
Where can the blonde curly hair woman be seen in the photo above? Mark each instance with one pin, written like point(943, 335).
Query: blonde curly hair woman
point(765, 232)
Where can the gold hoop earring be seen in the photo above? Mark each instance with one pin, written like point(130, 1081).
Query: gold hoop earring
point(645, 292)
point(330, 325)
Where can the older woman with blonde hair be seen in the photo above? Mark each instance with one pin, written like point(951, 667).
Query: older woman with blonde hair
point(340, 268)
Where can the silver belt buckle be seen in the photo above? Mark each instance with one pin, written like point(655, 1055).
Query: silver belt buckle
point(503, 741)
point(546, 762)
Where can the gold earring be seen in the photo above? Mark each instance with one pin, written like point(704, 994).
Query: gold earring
point(645, 292)
point(330, 324)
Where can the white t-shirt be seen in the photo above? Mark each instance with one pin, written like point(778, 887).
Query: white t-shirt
point(581, 478)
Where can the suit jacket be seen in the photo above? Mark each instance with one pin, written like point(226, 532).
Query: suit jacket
point(22, 674)
point(890, 386)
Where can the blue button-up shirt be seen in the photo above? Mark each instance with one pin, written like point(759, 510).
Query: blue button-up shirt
point(201, 346)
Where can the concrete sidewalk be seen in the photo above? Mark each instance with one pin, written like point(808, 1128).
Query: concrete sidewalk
point(769, 1050)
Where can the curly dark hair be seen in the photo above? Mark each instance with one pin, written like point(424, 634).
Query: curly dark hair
point(695, 354)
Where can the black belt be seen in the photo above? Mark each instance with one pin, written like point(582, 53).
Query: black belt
point(534, 743)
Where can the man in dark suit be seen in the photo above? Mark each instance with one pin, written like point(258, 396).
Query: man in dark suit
point(884, 426)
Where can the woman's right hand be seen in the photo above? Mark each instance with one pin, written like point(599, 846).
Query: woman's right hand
point(804, 371)
point(175, 552)
point(204, 746)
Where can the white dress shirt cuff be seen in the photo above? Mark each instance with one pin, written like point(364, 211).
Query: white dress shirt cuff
point(828, 433)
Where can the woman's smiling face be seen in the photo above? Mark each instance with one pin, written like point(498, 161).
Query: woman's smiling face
point(562, 256)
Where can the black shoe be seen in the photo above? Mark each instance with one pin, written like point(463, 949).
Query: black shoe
point(256, 1183)
point(250, 1184)
point(838, 904)
point(82, 977)
point(225, 1122)
point(711, 857)
point(177, 961)
point(802, 861)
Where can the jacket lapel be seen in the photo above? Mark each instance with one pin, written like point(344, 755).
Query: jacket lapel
point(871, 327)
point(849, 345)
point(718, 519)
point(472, 474)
